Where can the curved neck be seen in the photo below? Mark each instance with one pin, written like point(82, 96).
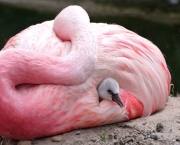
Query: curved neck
point(73, 24)
point(30, 66)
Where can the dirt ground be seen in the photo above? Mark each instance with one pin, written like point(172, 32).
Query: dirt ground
point(162, 128)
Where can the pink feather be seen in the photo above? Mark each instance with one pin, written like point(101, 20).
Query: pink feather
point(47, 90)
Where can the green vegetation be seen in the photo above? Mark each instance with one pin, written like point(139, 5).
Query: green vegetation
point(104, 137)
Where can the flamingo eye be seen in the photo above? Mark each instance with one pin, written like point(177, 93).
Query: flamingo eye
point(109, 91)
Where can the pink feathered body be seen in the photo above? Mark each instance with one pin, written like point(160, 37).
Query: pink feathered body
point(39, 106)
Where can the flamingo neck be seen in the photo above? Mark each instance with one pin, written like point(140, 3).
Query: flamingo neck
point(73, 24)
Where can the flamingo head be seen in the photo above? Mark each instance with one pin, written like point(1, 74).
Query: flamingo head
point(109, 89)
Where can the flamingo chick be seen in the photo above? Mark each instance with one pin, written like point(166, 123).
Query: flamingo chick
point(109, 89)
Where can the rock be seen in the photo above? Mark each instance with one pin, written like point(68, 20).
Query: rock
point(178, 139)
point(24, 142)
point(78, 133)
point(126, 140)
point(66, 142)
point(77, 142)
point(140, 137)
point(71, 142)
point(110, 136)
point(115, 136)
point(9, 142)
point(93, 140)
point(2, 140)
point(178, 122)
point(149, 131)
point(121, 142)
point(154, 136)
point(159, 127)
point(177, 143)
point(57, 138)
point(141, 143)
point(116, 143)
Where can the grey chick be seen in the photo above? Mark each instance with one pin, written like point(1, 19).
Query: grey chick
point(109, 89)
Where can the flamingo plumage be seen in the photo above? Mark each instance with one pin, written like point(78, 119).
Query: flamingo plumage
point(50, 72)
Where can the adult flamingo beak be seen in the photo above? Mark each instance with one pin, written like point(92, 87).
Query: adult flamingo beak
point(116, 98)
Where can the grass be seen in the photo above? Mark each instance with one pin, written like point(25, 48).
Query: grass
point(104, 137)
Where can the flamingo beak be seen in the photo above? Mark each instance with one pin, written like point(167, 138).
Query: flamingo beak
point(116, 98)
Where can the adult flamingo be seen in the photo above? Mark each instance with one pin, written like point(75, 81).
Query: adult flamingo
point(49, 76)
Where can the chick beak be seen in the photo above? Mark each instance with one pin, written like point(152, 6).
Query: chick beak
point(116, 98)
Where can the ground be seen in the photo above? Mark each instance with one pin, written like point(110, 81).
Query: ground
point(161, 128)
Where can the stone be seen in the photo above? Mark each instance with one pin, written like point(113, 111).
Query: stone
point(110, 136)
point(159, 127)
point(57, 138)
point(177, 143)
point(24, 142)
point(78, 133)
point(154, 136)
point(115, 136)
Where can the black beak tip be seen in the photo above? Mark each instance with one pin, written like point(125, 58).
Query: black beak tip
point(121, 104)
point(117, 99)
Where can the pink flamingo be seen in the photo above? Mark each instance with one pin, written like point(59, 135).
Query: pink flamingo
point(52, 75)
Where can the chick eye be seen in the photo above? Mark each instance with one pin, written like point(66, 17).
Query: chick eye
point(109, 91)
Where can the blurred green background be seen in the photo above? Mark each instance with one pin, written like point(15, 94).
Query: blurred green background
point(156, 20)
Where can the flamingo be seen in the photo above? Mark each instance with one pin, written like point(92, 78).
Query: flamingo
point(67, 74)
